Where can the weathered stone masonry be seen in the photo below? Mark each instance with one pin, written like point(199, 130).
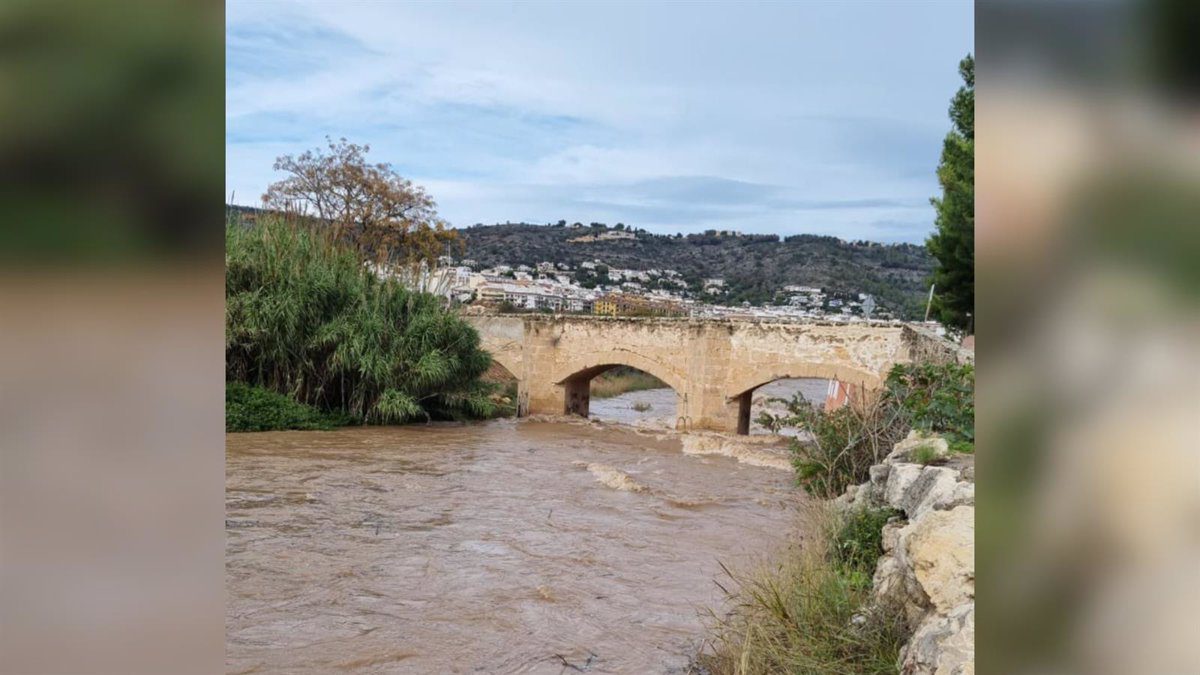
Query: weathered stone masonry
point(713, 366)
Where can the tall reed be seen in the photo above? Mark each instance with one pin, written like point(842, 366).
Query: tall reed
point(305, 317)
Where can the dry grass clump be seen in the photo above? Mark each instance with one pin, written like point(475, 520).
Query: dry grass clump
point(807, 612)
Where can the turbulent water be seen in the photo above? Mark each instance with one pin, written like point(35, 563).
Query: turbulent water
point(502, 547)
point(658, 405)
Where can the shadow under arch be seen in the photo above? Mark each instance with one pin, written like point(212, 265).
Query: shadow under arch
point(847, 382)
point(576, 377)
point(506, 366)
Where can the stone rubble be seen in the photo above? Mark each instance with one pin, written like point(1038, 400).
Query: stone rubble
point(928, 567)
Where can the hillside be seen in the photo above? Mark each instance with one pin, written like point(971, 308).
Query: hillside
point(755, 267)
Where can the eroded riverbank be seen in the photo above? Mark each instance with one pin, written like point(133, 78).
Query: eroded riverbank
point(497, 547)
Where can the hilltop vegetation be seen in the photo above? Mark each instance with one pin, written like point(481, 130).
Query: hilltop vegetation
point(755, 267)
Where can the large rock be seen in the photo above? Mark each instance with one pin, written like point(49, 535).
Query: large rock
point(891, 534)
point(915, 489)
point(900, 481)
point(895, 588)
point(936, 447)
point(942, 645)
point(940, 549)
point(962, 494)
point(927, 571)
point(877, 486)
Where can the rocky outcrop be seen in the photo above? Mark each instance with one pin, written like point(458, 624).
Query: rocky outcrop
point(927, 571)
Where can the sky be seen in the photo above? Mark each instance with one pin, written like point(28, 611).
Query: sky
point(782, 118)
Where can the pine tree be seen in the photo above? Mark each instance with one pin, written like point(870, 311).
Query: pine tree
point(954, 243)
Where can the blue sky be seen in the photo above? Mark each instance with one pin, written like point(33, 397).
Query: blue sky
point(782, 118)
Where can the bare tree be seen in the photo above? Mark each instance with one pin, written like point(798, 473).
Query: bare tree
point(391, 219)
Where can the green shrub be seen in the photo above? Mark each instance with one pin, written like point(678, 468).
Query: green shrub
point(250, 408)
point(938, 398)
point(923, 454)
point(857, 540)
point(305, 317)
point(847, 441)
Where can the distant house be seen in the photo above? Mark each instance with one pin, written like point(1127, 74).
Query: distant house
point(623, 304)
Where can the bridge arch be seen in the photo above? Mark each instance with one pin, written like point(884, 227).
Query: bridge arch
point(608, 358)
point(508, 361)
point(741, 391)
point(576, 375)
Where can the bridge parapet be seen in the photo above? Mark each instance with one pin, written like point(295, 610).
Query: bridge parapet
point(926, 346)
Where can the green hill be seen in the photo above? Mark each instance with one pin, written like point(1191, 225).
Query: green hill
point(755, 267)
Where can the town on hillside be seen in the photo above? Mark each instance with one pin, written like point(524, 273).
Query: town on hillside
point(593, 287)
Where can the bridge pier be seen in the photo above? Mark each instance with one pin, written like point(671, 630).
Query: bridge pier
point(743, 403)
point(577, 396)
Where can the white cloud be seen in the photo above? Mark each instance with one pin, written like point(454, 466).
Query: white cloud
point(541, 112)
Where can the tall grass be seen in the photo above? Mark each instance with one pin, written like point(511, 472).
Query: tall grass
point(809, 612)
point(305, 318)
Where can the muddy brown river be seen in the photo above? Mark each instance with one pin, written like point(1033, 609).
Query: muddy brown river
point(502, 547)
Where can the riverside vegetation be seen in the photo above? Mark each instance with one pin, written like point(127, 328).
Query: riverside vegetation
point(811, 609)
point(847, 441)
point(807, 612)
point(306, 320)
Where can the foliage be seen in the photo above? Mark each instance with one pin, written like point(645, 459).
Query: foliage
point(305, 317)
point(250, 408)
point(806, 613)
point(391, 219)
point(953, 245)
point(923, 454)
point(938, 398)
point(857, 540)
point(845, 442)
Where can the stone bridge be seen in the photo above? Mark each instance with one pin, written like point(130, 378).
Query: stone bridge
point(714, 366)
